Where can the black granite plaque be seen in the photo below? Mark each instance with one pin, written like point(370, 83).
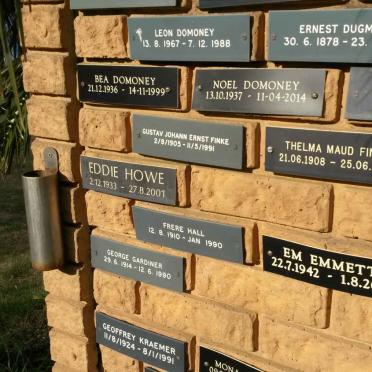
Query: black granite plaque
point(340, 156)
point(162, 270)
point(213, 361)
point(123, 85)
point(194, 141)
point(217, 240)
point(205, 4)
point(321, 35)
point(139, 343)
point(260, 91)
point(221, 38)
point(327, 269)
point(133, 181)
point(359, 100)
point(109, 4)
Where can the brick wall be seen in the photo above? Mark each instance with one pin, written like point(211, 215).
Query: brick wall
point(269, 321)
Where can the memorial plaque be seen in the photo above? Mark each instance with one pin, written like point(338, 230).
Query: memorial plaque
point(346, 273)
point(211, 239)
point(340, 156)
point(162, 270)
point(205, 4)
point(260, 91)
point(108, 4)
point(213, 361)
point(359, 100)
point(133, 181)
point(219, 38)
point(129, 85)
point(321, 36)
point(138, 343)
point(194, 141)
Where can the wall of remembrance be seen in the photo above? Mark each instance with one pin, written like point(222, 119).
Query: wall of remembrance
point(215, 165)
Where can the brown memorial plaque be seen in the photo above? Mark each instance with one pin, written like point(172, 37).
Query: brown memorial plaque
point(339, 156)
point(343, 272)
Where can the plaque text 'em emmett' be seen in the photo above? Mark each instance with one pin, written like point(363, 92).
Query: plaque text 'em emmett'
point(321, 35)
point(220, 38)
point(327, 269)
point(260, 91)
point(129, 85)
point(133, 181)
point(341, 156)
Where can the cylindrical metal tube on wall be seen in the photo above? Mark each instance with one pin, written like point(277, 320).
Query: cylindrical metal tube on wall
point(43, 219)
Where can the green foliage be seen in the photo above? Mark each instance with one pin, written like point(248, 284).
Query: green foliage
point(13, 115)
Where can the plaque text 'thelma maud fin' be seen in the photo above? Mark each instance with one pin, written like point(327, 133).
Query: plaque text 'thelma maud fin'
point(260, 91)
point(340, 156)
point(120, 85)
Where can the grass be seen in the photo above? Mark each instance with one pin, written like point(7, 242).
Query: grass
point(24, 342)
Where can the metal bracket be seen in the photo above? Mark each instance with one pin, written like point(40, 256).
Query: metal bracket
point(50, 157)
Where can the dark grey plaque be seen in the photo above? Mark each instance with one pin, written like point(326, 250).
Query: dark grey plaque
point(129, 85)
point(107, 4)
point(327, 269)
point(220, 38)
point(321, 35)
point(139, 264)
point(359, 100)
point(138, 343)
point(213, 361)
point(133, 181)
point(211, 239)
point(340, 156)
point(260, 91)
point(194, 141)
point(205, 4)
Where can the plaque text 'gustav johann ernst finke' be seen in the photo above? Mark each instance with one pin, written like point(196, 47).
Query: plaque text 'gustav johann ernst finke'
point(260, 91)
point(321, 36)
point(223, 38)
point(194, 141)
point(141, 344)
point(133, 181)
point(204, 4)
point(341, 156)
point(213, 361)
point(359, 99)
point(106, 4)
point(129, 85)
point(327, 269)
point(206, 238)
point(162, 270)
